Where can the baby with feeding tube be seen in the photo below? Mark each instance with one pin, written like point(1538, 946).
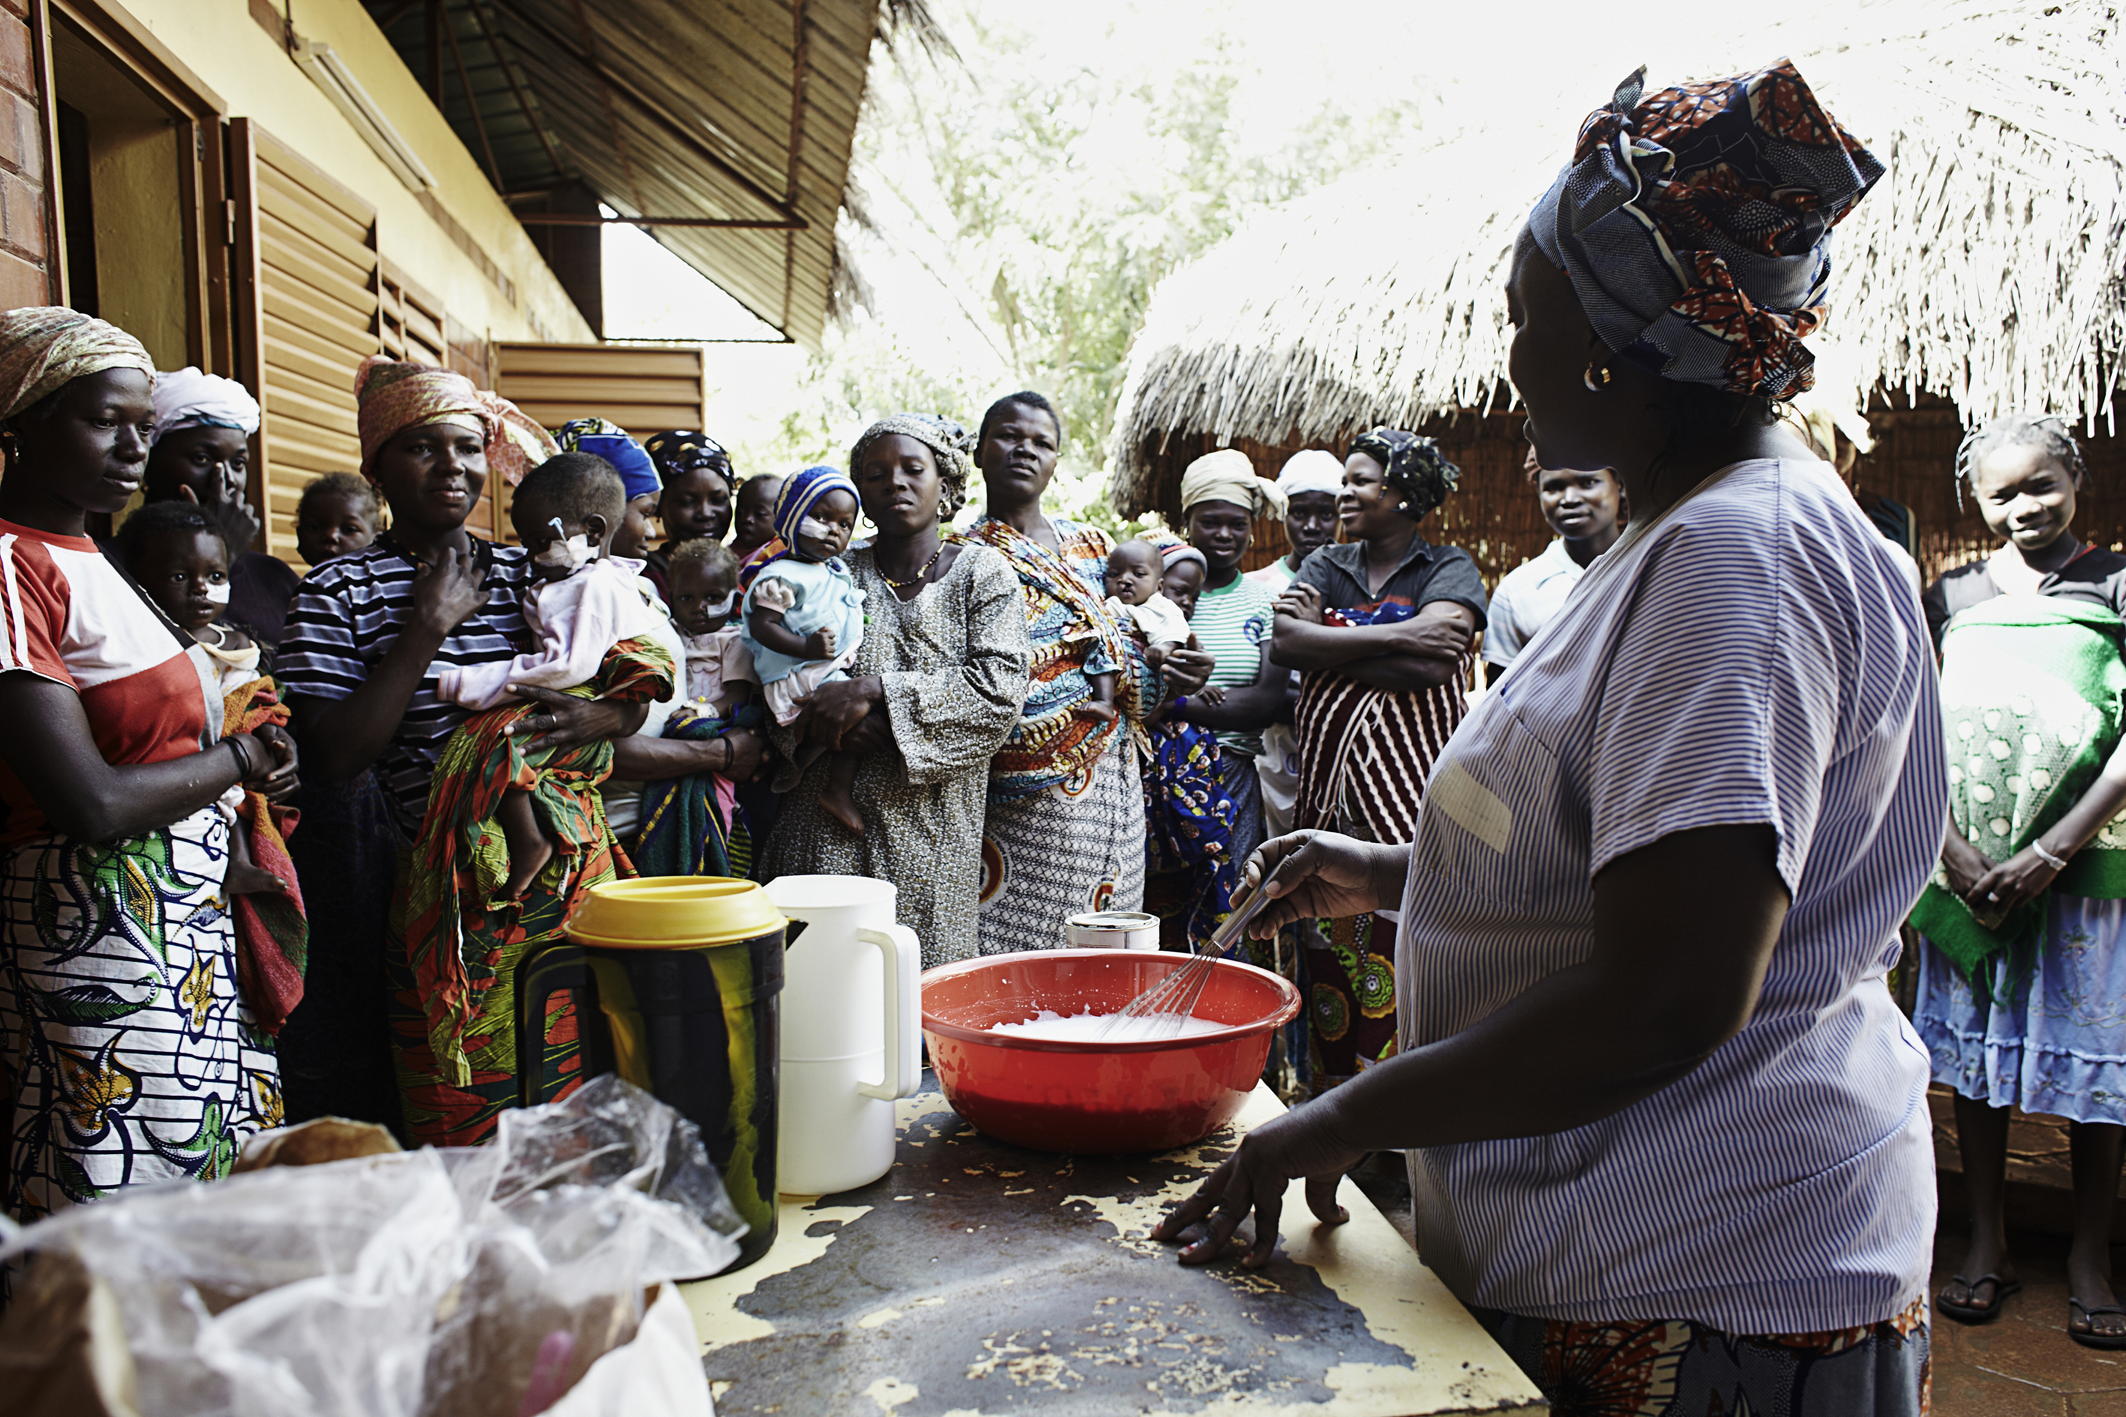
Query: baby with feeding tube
point(599, 636)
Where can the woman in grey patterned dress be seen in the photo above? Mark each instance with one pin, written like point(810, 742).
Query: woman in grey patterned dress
point(936, 687)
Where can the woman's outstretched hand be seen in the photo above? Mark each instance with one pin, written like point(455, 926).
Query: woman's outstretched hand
point(1317, 875)
point(1301, 1143)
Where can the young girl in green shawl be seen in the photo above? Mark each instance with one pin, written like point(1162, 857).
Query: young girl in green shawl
point(2022, 978)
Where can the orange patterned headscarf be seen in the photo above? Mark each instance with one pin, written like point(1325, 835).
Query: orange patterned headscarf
point(393, 395)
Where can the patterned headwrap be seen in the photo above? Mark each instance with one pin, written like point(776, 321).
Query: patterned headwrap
point(1228, 476)
point(800, 494)
point(43, 348)
point(393, 395)
point(603, 438)
point(1417, 469)
point(679, 450)
point(192, 398)
point(952, 445)
point(1311, 470)
point(1696, 225)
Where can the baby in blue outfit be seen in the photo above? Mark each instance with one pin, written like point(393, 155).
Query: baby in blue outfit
point(804, 619)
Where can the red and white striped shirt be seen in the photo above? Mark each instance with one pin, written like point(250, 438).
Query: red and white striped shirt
point(67, 615)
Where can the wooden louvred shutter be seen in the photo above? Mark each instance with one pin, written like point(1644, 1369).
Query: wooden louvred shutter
point(309, 292)
point(643, 388)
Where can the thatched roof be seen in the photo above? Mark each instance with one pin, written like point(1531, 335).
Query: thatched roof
point(1988, 266)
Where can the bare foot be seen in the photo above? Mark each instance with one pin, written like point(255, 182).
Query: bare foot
point(243, 878)
point(529, 846)
point(841, 807)
point(1098, 710)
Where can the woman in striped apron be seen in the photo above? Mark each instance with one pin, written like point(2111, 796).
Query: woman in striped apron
point(1667, 1130)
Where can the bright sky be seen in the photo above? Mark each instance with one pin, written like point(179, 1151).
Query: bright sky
point(1544, 58)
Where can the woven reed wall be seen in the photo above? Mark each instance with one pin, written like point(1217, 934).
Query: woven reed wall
point(1493, 516)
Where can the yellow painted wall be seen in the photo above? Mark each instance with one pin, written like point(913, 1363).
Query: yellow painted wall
point(233, 55)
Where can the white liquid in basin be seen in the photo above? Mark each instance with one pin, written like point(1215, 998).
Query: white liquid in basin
point(1102, 1028)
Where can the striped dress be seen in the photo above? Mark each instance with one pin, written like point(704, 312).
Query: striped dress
point(1364, 756)
point(1754, 656)
point(348, 613)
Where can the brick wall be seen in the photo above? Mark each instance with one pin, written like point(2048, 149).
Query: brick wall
point(25, 246)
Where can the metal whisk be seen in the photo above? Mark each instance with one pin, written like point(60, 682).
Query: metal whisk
point(1167, 1005)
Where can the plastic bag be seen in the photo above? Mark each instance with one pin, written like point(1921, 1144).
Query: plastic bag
point(411, 1285)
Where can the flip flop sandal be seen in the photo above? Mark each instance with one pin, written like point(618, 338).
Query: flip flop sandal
point(2003, 1289)
point(2086, 1335)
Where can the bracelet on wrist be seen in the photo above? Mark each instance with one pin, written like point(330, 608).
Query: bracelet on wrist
point(2057, 863)
point(241, 751)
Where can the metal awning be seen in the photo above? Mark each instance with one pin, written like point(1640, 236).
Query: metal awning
point(727, 124)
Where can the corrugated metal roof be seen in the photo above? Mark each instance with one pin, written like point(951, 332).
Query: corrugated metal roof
point(720, 110)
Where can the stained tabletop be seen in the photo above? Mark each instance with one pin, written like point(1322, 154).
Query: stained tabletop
point(981, 1278)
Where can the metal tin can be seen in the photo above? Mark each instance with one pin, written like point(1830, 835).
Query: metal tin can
point(1112, 930)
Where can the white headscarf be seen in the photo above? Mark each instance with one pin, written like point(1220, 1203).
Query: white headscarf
point(193, 398)
point(1311, 470)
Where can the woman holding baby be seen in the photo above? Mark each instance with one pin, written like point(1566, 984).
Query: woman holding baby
point(1065, 829)
point(931, 691)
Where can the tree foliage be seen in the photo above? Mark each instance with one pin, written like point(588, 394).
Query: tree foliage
point(1019, 211)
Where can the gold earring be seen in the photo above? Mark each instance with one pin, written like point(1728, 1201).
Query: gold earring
point(1597, 377)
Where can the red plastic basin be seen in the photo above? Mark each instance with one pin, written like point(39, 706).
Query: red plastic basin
point(1092, 1097)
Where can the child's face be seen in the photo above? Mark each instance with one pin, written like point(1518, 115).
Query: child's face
point(1133, 573)
point(552, 538)
point(756, 512)
point(700, 596)
point(836, 515)
point(1182, 583)
point(696, 503)
point(332, 524)
point(636, 528)
point(187, 574)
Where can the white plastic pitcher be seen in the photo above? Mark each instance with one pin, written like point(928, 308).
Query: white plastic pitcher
point(850, 1041)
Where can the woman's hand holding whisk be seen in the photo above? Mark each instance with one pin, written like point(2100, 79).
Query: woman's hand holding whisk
point(1304, 1142)
point(1317, 875)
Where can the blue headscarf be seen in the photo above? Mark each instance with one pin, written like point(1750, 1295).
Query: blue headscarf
point(1695, 224)
point(602, 438)
point(800, 493)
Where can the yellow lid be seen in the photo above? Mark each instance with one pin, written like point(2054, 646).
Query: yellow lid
point(673, 913)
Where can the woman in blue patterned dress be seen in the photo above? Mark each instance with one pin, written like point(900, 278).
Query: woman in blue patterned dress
point(2022, 981)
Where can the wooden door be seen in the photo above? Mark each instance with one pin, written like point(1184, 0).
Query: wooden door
point(309, 295)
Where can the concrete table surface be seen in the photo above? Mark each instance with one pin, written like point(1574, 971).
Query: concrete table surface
point(980, 1278)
